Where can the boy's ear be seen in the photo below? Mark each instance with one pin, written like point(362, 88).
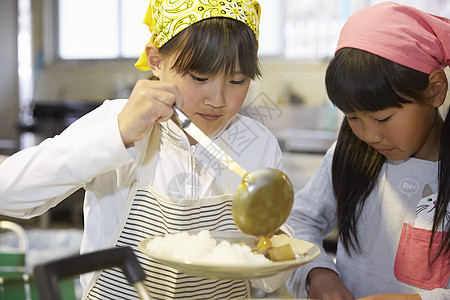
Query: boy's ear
point(153, 58)
point(438, 87)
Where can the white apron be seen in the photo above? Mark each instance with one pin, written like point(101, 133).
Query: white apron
point(150, 213)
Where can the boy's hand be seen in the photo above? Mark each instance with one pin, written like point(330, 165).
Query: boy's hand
point(324, 284)
point(150, 101)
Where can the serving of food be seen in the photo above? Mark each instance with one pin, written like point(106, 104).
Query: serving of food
point(228, 254)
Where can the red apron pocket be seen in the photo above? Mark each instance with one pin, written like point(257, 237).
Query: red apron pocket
point(411, 262)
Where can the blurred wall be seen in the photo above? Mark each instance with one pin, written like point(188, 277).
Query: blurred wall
point(8, 70)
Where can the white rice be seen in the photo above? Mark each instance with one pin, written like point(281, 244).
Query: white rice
point(203, 249)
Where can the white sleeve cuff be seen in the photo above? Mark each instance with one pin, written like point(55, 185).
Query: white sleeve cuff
point(270, 284)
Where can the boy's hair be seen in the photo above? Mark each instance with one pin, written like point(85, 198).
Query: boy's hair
point(215, 46)
point(357, 80)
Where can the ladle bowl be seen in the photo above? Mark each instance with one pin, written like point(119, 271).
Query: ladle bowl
point(262, 202)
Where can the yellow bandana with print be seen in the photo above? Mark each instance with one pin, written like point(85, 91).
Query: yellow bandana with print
point(166, 18)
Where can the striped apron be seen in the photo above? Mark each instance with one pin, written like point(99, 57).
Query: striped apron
point(150, 213)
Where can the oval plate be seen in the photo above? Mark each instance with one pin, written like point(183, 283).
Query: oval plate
point(304, 252)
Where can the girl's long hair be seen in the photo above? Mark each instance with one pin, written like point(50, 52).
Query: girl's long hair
point(442, 201)
point(214, 46)
point(360, 81)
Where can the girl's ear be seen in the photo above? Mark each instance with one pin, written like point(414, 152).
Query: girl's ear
point(438, 87)
point(153, 58)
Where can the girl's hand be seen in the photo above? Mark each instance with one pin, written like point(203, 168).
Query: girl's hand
point(150, 101)
point(393, 297)
point(324, 284)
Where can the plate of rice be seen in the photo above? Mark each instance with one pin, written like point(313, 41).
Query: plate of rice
point(223, 254)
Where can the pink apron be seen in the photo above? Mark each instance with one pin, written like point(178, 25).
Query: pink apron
point(412, 260)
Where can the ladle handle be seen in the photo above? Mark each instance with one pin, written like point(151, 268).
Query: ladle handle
point(180, 118)
point(185, 124)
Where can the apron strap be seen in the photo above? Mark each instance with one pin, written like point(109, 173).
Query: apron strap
point(147, 152)
point(228, 176)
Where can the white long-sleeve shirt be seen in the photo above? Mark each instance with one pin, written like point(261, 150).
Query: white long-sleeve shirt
point(90, 154)
point(393, 203)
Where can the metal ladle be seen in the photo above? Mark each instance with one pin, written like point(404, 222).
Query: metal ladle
point(264, 198)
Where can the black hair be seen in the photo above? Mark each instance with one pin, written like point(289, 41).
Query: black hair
point(214, 46)
point(442, 200)
point(357, 80)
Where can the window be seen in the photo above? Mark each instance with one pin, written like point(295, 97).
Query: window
point(111, 29)
point(290, 29)
point(101, 29)
point(312, 26)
